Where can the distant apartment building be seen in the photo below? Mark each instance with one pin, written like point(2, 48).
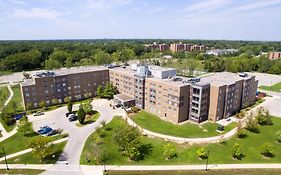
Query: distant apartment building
point(76, 83)
point(274, 55)
point(175, 47)
point(219, 52)
point(164, 47)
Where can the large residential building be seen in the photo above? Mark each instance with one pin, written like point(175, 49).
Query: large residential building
point(219, 52)
point(76, 83)
point(176, 47)
point(274, 55)
point(155, 89)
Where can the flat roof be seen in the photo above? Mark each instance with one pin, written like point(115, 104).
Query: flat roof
point(223, 78)
point(123, 98)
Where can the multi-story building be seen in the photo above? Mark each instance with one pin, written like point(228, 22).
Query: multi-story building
point(164, 47)
point(219, 52)
point(177, 47)
point(76, 83)
point(274, 55)
point(154, 89)
point(229, 93)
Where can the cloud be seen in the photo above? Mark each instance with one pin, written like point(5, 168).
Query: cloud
point(257, 5)
point(155, 10)
point(207, 5)
point(103, 5)
point(36, 13)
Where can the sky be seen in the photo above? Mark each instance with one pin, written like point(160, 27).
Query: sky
point(138, 19)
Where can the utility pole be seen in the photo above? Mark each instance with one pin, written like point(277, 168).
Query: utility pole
point(5, 158)
point(207, 161)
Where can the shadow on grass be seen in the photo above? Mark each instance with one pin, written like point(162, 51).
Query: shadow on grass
point(145, 150)
point(31, 134)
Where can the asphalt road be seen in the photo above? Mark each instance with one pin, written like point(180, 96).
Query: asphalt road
point(77, 135)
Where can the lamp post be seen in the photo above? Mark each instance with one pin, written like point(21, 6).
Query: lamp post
point(207, 161)
point(5, 158)
point(104, 163)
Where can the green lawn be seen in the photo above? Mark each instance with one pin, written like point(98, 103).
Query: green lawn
point(153, 123)
point(219, 153)
point(202, 172)
point(276, 87)
point(89, 119)
point(4, 94)
point(15, 105)
point(21, 171)
point(29, 158)
point(18, 142)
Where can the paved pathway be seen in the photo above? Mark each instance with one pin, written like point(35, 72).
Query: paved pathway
point(77, 135)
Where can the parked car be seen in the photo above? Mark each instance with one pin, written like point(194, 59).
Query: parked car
point(72, 117)
point(52, 132)
point(18, 116)
point(44, 130)
point(38, 113)
point(68, 113)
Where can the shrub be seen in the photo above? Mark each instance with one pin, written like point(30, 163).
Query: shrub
point(267, 150)
point(169, 151)
point(236, 153)
point(252, 125)
point(135, 109)
point(202, 153)
point(240, 131)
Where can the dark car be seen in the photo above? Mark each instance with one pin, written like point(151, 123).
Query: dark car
point(18, 116)
point(44, 130)
point(72, 118)
point(68, 113)
point(38, 113)
point(51, 133)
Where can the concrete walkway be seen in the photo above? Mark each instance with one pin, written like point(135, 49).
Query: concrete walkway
point(29, 150)
point(193, 140)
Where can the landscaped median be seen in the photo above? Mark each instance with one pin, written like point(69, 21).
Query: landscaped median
point(154, 151)
point(153, 123)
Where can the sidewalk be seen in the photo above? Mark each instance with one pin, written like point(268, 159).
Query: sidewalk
point(29, 150)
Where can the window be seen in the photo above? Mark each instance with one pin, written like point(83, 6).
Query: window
point(46, 91)
point(27, 94)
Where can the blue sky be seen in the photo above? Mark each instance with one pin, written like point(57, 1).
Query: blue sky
point(177, 19)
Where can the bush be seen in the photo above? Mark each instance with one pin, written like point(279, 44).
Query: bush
point(170, 151)
point(267, 150)
point(135, 109)
point(264, 118)
point(252, 125)
point(236, 153)
point(202, 153)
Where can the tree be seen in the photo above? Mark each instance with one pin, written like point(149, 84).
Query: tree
point(28, 106)
point(101, 57)
point(24, 126)
point(109, 91)
point(267, 150)
point(236, 153)
point(67, 99)
point(81, 114)
point(55, 101)
point(69, 106)
point(126, 55)
point(264, 118)
point(252, 125)
point(88, 107)
point(41, 147)
point(52, 64)
point(42, 104)
point(169, 151)
point(240, 130)
point(202, 153)
point(128, 140)
point(100, 91)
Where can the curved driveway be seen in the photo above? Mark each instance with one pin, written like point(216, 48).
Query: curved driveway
point(77, 135)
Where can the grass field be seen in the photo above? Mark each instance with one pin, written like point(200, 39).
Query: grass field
point(153, 123)
point(21, 171)
point(4, 94)
point(18, 142)
point(186, 154)
point(29, 158)
point(202, 172)
point(276, 87)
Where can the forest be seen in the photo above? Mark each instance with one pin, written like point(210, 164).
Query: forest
point(18, 56)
